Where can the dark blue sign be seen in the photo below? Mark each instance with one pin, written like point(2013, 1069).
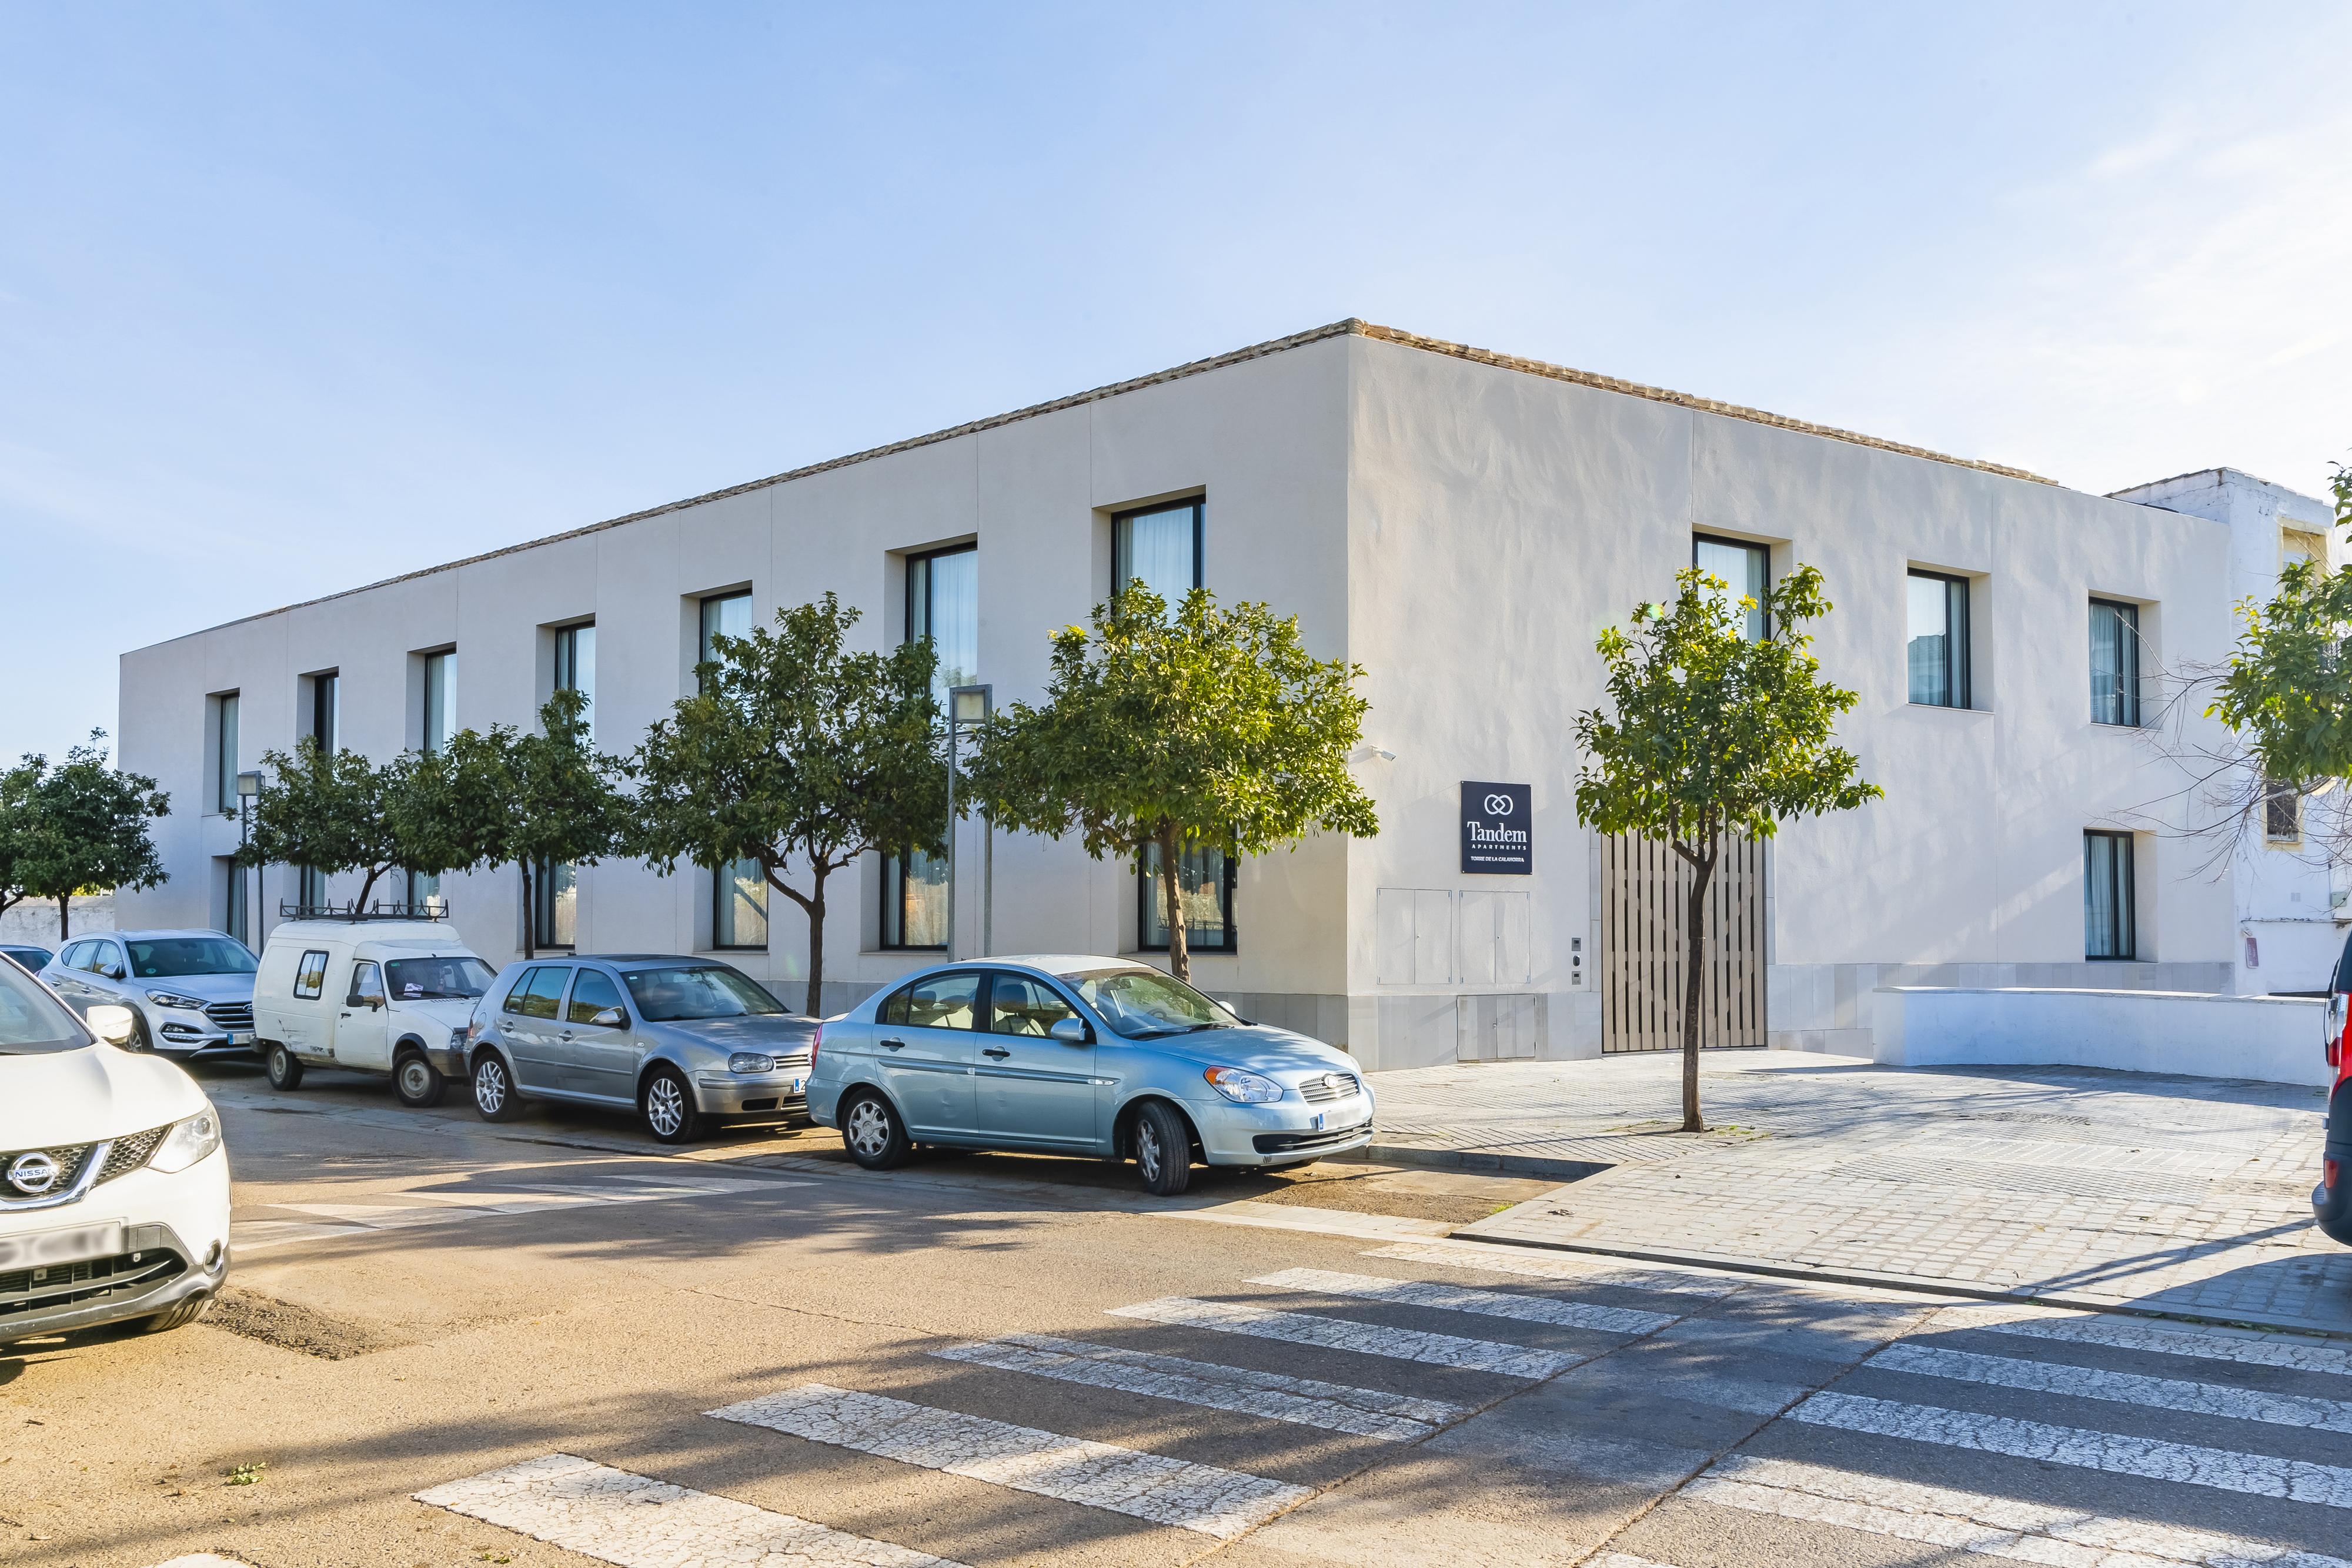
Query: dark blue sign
point(1496, 837)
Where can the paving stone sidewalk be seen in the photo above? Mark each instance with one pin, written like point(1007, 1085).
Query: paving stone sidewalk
point(2113, 1189)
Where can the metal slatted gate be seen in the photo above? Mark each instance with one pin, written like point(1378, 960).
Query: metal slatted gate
point(1645, 905)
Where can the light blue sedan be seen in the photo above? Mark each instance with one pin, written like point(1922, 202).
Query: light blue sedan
point(1080, 1056)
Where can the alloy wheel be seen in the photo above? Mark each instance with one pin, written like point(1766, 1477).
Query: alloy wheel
point(665, 1107)
point(489, 1087)
point(1147, 1150)
point(869, 1128)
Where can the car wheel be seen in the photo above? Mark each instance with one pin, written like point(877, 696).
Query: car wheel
point(667, 1104)
point(1163, 1149)
point(417, 1082)
point(494, 1095)
point(180, 1316)
point(285, 1069)
point(140, 1039)
point(871, 1132)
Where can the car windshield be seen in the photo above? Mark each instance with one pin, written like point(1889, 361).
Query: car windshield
point(712, 991)
point(33, 1022)
point(152, 958)
point(455, 979)
point(1142, 1003)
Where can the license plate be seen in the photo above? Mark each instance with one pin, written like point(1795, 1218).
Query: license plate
point(241, 1037)
point(796, 1085)
point(44, 1247)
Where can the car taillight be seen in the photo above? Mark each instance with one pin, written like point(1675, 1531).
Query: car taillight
point(2327, 1174)
point(2339, 1012)
point(816, 1041)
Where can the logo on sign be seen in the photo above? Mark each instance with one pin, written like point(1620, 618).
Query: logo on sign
point(1496, 839)
point(32, 1172)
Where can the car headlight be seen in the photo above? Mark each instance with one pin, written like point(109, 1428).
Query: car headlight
point(187, 1142)
point(458, 1037)
point(1243, 1088)
point(750, 1061)
point(173, 1000)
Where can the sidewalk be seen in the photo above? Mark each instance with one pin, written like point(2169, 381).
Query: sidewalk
point(2071, 1185)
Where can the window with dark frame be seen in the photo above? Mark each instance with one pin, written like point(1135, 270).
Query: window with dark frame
point(1162, 547)
point(326, 709)
point(2282, 812)
point(439, 718)
point(311, 887)
point(233, 913)
point(1938, 648)
point(915, 902)
point(555, 904)
point(1206, 875)
point(739, 905)
point(943, 604)
point(2109, 897)
point(224, 744)
point(310, 975)
point(576, 665)
point(724, 615)
point(2114, 663)
point(1745, 569)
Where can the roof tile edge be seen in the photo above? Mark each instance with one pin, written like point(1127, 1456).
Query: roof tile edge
point(1351, 327)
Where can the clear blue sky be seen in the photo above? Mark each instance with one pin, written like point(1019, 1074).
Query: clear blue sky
point(294, 297)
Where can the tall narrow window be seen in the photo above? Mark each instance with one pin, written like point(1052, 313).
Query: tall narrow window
point(1161, 547)
point(326, 709)
point(2282, 812)
point(555, 899)
point(440, 701)
point(914, 901)
point(1206, 877)
point(576, 665)
point(235, 917)
point(724, 615)
point(224, 769)
point(311, 888)
point(943, 604)
point(2107, 896)
point(1745, 570)
point(739, 914)
point(2114, 663)
point(1939, 639)
point(425, 894)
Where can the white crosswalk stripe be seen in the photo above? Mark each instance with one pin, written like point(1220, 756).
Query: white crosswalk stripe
point(2256, 1475)
point(1302, 1401)
point(1976, 1522)
point(1343, 1333)
point(448, 1207)
point(1536, 1265)
point(1203, 1498)
point(1459, 1298)
point(629, 1520)
point(2127, 1334)
point(2117, 1388)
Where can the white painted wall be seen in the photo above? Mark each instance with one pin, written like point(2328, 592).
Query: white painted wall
point(2275, 1040)
point(1462, 530)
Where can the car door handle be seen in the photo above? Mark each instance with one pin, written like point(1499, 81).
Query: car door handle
point(894, 1045)
point(997, 1051)
point(565, 1035)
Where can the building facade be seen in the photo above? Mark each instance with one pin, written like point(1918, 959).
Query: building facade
point(1463, 526)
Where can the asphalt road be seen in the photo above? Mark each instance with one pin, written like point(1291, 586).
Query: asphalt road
point(550, 1342)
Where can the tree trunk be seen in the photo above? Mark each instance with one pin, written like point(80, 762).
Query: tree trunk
point(65, 905)
point(1180, 943)
point(1694, 983)
point(530, 913)
point(815, 1007)
point(359, 906)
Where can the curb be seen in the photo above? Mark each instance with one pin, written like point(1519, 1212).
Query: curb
point(1471, 1160)
point(1913, 1284)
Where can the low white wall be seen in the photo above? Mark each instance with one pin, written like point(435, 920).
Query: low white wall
point(2275, 1040)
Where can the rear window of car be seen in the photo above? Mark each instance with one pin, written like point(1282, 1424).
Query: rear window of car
point(535, 996)
point(310, 975)
point(153, 958)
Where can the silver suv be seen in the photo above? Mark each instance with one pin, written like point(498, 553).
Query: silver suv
point(187, 990)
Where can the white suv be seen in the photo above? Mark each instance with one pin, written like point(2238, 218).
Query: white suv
point(187, 990)
point(113, 1185)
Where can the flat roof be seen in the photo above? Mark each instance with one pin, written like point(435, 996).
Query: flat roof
point(1351, 327)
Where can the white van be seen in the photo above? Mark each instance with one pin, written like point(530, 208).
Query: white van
point(373, 995)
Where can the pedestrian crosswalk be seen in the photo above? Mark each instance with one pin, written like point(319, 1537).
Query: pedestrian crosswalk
point(440, 1207)
point(2063, 1439)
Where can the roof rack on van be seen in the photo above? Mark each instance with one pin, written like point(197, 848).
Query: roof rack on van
point(424, 909)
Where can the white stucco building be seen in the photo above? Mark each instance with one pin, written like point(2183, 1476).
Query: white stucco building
point(1460, 524)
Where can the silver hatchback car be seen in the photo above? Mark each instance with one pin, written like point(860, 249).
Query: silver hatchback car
point(1085, 1056)
point(687, 1041)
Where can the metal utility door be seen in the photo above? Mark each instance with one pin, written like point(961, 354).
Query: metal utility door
point(1644, 912)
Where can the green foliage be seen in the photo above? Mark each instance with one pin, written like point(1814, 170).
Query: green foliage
point(79, 825)
point(16, 828)
point(2287, 691)
point(797, 754)
point(1714, 734)
point(1209, 727)
point(327, 811)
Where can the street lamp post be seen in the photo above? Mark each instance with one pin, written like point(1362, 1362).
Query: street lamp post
point(248, 785)
point(968, 706)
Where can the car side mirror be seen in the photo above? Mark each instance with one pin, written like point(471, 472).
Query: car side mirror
point(1069, 1032)
point(110, 1023)
point(609, 1017)
point(112, 971)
